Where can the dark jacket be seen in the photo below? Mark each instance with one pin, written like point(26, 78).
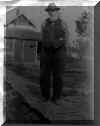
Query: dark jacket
point(54, 33)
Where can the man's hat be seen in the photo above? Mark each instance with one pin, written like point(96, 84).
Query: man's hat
point(52, 7)
point(85, 14)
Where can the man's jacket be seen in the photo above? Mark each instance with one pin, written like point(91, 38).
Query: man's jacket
point(54, 34)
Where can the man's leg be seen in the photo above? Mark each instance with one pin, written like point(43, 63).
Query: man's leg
point(45, 75)
point(57, 86)
point(58, 71)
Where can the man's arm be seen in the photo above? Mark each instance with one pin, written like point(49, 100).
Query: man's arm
point(66, 30)
point(42, 28)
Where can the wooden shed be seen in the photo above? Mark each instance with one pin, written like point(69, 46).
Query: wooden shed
point(21, 44)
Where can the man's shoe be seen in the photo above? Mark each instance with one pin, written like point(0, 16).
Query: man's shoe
point(57, 101)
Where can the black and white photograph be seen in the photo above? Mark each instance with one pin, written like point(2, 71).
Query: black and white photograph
point(49, 65)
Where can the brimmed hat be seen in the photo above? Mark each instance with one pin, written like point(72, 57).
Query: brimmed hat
point(85, 14)
point(52, 7)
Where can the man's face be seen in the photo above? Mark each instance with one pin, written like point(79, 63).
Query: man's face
point(53, 14)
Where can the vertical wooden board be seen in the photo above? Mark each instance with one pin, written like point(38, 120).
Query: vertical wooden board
point(18, 51)
point(29, 52)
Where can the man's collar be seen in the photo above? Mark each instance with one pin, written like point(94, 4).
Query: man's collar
point(53, 21)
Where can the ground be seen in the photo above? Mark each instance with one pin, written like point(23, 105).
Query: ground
point(23, 92)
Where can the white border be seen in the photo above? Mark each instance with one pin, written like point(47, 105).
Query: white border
point(3, 5)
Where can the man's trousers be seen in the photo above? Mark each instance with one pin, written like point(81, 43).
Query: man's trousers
point(52, 64)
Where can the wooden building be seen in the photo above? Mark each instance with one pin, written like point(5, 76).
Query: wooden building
point(21, 41)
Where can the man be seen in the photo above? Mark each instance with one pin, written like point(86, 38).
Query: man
point(54, 37)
